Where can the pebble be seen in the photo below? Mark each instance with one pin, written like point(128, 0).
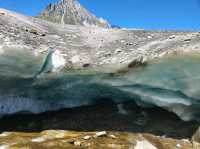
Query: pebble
point(38, 139)
point(130, 44)
point(77, 143)
point(118, 50)
point(149, 37)
point(113, 136)
point(87, 137)
point(100, 134)
point(74, 142)
point(178, 145)
point(172, 37)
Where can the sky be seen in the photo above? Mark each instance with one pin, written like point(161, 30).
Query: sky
point(142, 14)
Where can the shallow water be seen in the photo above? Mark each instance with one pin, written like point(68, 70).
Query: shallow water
point(172, 83)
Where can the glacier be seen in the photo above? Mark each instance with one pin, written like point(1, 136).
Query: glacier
point(171, 83)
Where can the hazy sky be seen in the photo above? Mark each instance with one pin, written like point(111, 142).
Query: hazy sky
point(147, 14)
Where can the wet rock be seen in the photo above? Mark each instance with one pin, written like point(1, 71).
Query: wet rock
point(113, 136)
point(100, 134)
point(71, 141)
point(87, 137)
point(178, 145)
point(38, 139)
point(77, 143)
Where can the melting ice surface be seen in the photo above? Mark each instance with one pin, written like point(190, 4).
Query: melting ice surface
point(171, 83)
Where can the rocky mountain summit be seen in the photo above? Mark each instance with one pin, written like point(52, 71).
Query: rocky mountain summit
point(71, 12)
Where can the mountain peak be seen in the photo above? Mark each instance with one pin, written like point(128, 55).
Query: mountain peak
point(71, 12)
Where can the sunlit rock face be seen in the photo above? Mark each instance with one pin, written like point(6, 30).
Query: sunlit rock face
point(71, 12)
point(171, 83)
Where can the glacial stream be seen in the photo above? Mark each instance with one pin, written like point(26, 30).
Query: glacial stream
point(172, 83)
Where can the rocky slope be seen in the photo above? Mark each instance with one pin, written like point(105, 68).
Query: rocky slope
point(71, 12)
point(93, 46)
point(87, 46)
